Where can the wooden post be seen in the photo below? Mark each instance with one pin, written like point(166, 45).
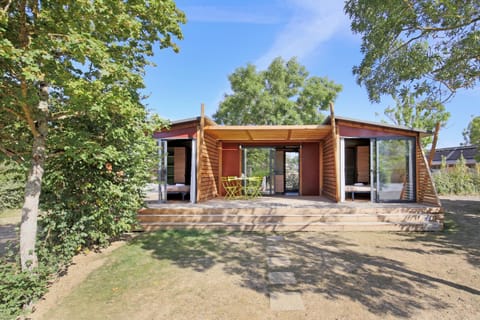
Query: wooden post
point(320, 168)
point(434, 145)
point(335, 151)
point(220, 168)
point(200, 151)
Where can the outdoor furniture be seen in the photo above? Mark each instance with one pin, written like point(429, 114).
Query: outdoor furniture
point(231, 186)
point(181, 189)
point(252, 187)
point(357, 188)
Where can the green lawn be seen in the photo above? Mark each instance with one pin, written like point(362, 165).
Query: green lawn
point(221, 275)
point(146, 272)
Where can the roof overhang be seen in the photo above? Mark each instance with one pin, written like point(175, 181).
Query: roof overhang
point(384, 125)
point(283, 133)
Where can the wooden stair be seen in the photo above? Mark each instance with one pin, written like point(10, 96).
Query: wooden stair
point(294, 219)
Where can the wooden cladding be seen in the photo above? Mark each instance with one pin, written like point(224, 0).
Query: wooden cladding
point(179, 164)
point(329, 169)
point(208, 169)
point(363, 164)
point(426, 192)
point(279, 133)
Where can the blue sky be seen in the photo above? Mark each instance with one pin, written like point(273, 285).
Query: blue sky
point(221, 36)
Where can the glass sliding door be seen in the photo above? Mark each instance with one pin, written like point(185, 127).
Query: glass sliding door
point(162, 170)
point(292, 172)
point(395, 169)
point(259, 162)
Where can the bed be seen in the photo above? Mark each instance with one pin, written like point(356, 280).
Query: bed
point(357, 188)
point(178, 189)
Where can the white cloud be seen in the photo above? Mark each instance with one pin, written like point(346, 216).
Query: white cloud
point(231, 14)
point(311, 24)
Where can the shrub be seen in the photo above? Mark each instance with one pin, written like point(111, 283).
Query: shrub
point(459, 179)
point(18, 288)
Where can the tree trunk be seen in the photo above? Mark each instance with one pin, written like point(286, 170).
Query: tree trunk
point(28, 227)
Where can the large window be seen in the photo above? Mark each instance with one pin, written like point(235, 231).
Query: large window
point(395, 169)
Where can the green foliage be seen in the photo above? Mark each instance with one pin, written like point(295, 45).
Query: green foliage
point(458, 179)
point(472, 135)
point(92, 55)
point(424, 114)
point(426, 46)
point(12, 184)
point(282, 94)
point(18, 288)
point(258, 162)
point(93, 190)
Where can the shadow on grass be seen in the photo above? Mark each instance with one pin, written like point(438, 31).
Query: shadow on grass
point(323, 263)
point(461, 234)
point(241, 254)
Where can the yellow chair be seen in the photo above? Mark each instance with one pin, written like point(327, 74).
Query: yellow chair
point(253, 187)
point(230, 184)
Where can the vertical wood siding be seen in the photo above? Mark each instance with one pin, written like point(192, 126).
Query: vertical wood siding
point(329, 169)
point(426, 192)
point(208, 169)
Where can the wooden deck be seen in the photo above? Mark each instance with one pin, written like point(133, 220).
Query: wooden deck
point(291, 214)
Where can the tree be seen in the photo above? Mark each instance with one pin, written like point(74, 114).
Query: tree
point(472, 134)
point(429, 48)
point(70, 70)
point(414, 114)
point(282, 94)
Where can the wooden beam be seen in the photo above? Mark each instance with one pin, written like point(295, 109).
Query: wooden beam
point(249, 135)
point(289, 136)
point(434, 145)
point(220, 167)
point(335, 152)
point(200, 143)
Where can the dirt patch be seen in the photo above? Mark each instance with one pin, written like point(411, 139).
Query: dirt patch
point(362, 275)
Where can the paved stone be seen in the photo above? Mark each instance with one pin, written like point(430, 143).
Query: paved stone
point(282, 278)
point(275, 238)
point(286, 301)
point(278, 262)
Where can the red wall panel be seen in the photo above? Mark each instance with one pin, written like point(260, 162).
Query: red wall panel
point(231, 159)
point(310, 169)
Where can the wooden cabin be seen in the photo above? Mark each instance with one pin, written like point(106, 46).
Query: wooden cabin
point(335, 159)
point(342, 160)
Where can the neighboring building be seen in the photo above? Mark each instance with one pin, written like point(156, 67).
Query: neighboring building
point(453, 154)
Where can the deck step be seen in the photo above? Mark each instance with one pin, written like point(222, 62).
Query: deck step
point(316, 226)
point(290, 210)
point(290, 218)
point(281, 216)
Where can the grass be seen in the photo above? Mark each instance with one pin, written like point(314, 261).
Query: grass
point(134, 273)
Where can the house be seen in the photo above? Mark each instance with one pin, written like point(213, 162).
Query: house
point(452, 156)
point(346, 162)
point(334, 158)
